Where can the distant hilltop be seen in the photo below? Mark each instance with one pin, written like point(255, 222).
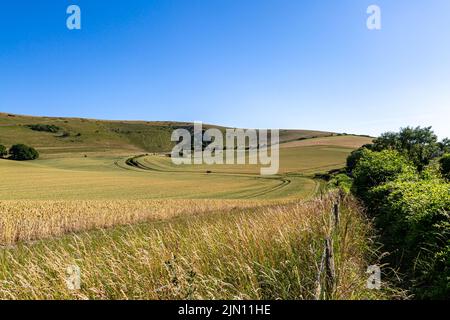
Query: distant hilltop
point(61, 134)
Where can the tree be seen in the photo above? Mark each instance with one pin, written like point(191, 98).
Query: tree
point(22, 152)
point(445, 165)
point(445, 145)
point(420, 145)
point(3, 151)
point(387, 141)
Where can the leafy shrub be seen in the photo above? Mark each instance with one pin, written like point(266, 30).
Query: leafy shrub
point(22, 152)
point(445, 165)
point(342, 181)
point(432, 171)
point(44, 127)
point(3, 151)
point(414, 219)
point(353, 158)
point(438, 276)
point(376, 168)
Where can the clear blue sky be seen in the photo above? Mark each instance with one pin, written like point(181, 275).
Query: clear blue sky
point(246, 63)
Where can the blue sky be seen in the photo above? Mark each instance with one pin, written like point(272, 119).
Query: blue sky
point(245, 63)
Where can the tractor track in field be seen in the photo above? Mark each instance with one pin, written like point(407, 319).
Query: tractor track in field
point(284, 183)
point(133, 164)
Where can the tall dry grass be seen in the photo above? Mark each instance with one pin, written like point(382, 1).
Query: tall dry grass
point(27, 220)
point(259, 253)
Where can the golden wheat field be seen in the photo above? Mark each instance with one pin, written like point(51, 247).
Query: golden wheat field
point(270, 252)
point(27, 220)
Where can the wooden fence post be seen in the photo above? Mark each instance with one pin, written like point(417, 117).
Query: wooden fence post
point(329, 268)
point(318, 292)
point(327, 284)
point(336, 215)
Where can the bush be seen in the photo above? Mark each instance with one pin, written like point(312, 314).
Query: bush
point(22, 152)
point(413, 217)
point(44, 127)
point(353, 158)
point(342, 181)
point(445, 165)
point(376, 168)
point(430, 172)
point(3, 151)
point(410, 210)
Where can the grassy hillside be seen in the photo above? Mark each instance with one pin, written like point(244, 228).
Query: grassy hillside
point(85, 135)
point(76, 135)
point(86, 159)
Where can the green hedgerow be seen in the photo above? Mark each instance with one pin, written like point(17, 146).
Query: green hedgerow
point(414, 220)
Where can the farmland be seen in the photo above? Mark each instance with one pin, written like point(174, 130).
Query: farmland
point(107, 189)
point(92, 163)
point(229, 253)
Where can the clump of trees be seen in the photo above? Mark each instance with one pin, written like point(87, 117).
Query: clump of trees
point(19, 152)
point(22, 152)
point(44, 127)
point(402, 178)
point(420, 145)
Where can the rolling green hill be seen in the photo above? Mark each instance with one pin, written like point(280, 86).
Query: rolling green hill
point(77, 135)
point(90, 159)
